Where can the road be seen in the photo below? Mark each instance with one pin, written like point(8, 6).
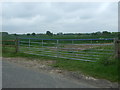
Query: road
point(16, 76)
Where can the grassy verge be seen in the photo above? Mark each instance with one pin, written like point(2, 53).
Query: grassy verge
point(106, 68)
point(96, 69)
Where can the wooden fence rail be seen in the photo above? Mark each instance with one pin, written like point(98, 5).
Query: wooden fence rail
point(15, 44)
point(8, 40)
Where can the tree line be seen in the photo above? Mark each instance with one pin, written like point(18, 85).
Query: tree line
point(49, 33)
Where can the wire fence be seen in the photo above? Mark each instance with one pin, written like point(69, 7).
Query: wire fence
point(75, 49)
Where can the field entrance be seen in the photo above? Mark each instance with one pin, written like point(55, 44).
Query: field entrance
point(76, 49)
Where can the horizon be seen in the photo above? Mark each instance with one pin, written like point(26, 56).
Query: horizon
point(58, 32)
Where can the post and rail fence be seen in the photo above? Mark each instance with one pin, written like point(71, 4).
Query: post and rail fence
point(11, 43)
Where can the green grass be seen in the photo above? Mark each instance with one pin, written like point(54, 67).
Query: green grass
point(7, 37)
point(95, 69)
point(105, 68)
point(87, 53)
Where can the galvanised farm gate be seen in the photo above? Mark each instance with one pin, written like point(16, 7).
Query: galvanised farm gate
point(75, 49)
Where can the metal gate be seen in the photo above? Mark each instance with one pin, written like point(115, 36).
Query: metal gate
point(75, 49)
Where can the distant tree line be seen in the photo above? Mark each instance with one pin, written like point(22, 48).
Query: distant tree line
point(3, 33)
point(49, 33)
point(102, 33)
point(33, 34)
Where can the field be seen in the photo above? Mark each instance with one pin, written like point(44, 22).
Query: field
point(90, 50)
point(84, 36)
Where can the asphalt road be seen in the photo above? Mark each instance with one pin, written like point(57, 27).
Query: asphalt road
point(15, 76)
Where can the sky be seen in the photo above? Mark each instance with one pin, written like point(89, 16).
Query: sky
point(66, 17)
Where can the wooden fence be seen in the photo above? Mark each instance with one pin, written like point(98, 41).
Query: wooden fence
point(15, 45)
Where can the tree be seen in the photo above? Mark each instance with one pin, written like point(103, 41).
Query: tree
point(106, 32)
point(98, 33)
point(28, 34)
point(49, 33)
point(93, 33)
point(15, 34)
point(3, 33)
point(60, 33)
point(33, 34)
point(79, 33)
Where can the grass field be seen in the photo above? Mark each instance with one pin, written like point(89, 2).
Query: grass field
point(105, 68)
point(84, 52)
point(99, 69)
point(10, 36)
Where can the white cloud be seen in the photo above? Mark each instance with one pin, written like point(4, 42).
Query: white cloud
point(24, 21)
point(103, 7)
point(59, 16)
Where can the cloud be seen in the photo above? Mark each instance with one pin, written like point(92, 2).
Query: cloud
point(24, 21)
point(23, 17)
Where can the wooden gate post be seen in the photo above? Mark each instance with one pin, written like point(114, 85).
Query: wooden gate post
point(17, 45)
point(117, 48)
point(118, 42)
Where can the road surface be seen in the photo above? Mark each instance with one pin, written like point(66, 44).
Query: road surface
point(16, 76)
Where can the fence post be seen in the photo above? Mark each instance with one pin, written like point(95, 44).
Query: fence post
point(91, 41)
point(42, 42)
point(16, 46)
point(42, 46)
point(117, 48)
point(29, 43)
point(72, 42)
point(72, 47)
point(57, 48)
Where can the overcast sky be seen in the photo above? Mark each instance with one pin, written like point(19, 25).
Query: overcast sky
point(66, 17)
